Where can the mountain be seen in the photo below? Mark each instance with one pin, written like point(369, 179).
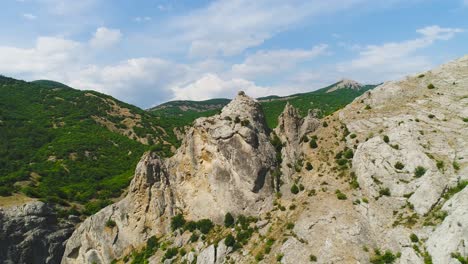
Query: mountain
point(335, 97)
point(380, 181)
point(71, 147)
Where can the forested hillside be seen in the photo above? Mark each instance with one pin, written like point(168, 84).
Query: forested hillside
point(69, 146)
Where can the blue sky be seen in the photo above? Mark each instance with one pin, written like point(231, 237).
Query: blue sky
point(146, 52)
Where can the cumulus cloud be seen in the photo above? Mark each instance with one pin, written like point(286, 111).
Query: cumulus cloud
point(213, 86)
point(217, 29)
point(272, 61)
point(105, 37)
point(50, 54)
point(395, 59)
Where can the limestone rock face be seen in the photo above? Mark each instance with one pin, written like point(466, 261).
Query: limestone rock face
point(290, 130)
point(144, 212)
point(31, 233)
point(224, 163)
point(222, 166)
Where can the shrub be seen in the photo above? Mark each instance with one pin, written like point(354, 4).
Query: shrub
point(110, 223)
point(384, 191)
point(230, 241)
point(309, 166)
point(399, 165)
point(190, 226)
point(294, 189)
point(440, 164)
point(414, 238)
point(431, 116)
point(237, 120)
point(228, 220)
point(459, 257)
point(325, 124)
point(313, 258)
point(349, 154)
point(305, 138)
point(245, 122)
point(170, 253)
point(340, 195)
point(177, 222)
point(419, 171)
point(386, 139)
point(368, 107)
point(421, 75)
point(194, 237)
point(342, 162)
point(205, 225)
point(430, 86)
point(386, 258)
point(279, 257)
point(352, 135)
point(313, 144)
point(289, 226)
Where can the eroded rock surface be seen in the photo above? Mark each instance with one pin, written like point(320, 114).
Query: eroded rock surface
point(31, 233)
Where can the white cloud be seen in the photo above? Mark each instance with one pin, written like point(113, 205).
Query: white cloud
point(212, 86)
point(228, 27)
point(105, 37)
point(395, 59)
point(272, 61)
point(29, 16)
point(50, 54)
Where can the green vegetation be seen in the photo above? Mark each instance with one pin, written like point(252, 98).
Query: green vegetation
point(419, 171)
point(110, 223)
point(384, 192)
point(229, 220)
point(294, 189)
point(177, 222)
point(230, 241)
point(430, 86)
point(458, 188)
point(387, 258)
point(170, 253)
point(440, 164)
point(309, 166)
point(459, 257)
point(414, 238)
point(340, 195)
point(399, 165)
point(52, 147)
point(313, 143)
point(313, 258)
point(386, 139)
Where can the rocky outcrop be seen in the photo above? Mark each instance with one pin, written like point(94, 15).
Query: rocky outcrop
point(31, 233)
point(224, 162)
point(290, 130)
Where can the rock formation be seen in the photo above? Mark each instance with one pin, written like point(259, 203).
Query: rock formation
point(223, 166)
point(31, 233)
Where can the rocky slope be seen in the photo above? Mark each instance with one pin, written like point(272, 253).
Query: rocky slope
point(31, 233)
point(381, 181)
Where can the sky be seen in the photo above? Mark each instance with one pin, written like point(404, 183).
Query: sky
point(146, 52)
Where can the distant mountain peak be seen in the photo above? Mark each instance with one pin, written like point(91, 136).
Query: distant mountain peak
point(345, 84)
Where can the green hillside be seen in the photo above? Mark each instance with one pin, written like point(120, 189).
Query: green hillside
point(69, 146)
point(185, 112)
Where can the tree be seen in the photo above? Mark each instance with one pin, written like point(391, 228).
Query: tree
point(228, 220)
point(177, 222)
point(294, 189)
point(230, 241)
